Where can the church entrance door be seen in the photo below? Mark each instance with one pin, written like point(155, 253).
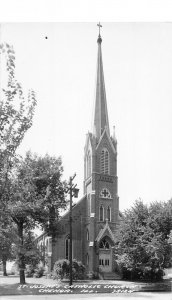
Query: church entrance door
point(105, 256)
point(105, 260)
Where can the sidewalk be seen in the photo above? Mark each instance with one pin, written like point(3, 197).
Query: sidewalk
point(10, 286)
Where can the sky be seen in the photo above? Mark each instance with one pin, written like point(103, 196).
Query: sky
point(58, 61)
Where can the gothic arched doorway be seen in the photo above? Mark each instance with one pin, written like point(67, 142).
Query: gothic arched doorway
point(105, 255)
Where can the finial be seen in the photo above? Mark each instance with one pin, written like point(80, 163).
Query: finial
point(99, 40)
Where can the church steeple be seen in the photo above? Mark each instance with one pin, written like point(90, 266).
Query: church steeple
point(100, 121)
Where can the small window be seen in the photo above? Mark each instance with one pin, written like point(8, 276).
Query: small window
point(89, 204)
point(101, 262)
point(105, 194)
point(106, 262)
point(101, 213)
point(87, 235)
point(109, 214)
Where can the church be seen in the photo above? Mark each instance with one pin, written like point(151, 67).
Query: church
point(95, 217)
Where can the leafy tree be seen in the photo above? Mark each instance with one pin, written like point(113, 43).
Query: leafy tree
point(7, 241)
point(35, 196)
point(50, 189)
point(16, 115)
point(32, 254)
point(142, 243)
point(16, 111)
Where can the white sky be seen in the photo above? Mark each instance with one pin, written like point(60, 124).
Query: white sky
point(137, 60)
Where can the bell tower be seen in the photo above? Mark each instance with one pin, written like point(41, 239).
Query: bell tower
point(100, 175)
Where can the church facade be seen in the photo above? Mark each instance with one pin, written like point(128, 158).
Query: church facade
point(96, 215)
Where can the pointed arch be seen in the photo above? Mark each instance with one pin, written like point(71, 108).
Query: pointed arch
point(104, 161)
point(88, 204)
point(104, 244)
point(101, 213)
point(108, 213)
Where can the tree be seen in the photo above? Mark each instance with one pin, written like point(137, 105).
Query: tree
point(47, 173)
point(35, 196)
point(32, 254)
point(7, 241)
point(16, 115)
point(142, 243)
point(16, 111)
point(50, 189)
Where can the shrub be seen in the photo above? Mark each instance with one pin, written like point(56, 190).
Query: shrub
point(131, 271)
point(32, 271)
point(39, 271)
point(29, 271)
point(62, 269)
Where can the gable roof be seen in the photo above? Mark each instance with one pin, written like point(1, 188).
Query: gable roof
point(109, 139)
point(76, 205)
point(63, 217)
point(105, 231)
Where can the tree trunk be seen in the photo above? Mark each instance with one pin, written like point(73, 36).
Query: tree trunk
point(21, 254)
point(22, 276)
point(4, 267)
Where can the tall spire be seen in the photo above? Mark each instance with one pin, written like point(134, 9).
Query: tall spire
point(100, 111)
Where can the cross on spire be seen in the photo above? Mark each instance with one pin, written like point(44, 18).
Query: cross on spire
point(99, 25)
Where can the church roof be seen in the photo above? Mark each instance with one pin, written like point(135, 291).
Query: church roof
point(74, 207)
point(100, 111)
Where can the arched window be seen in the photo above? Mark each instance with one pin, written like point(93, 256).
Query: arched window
point(67, 247)
point(50, 244)
point(88, 164)
point(105, 194)
point(87, 235)
point(104, 161)
point(104, 244)
point(89, 204)
point(101, 213)
point(109, 214)
point(47, 245)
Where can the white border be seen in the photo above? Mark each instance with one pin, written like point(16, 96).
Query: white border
point(85, 10)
